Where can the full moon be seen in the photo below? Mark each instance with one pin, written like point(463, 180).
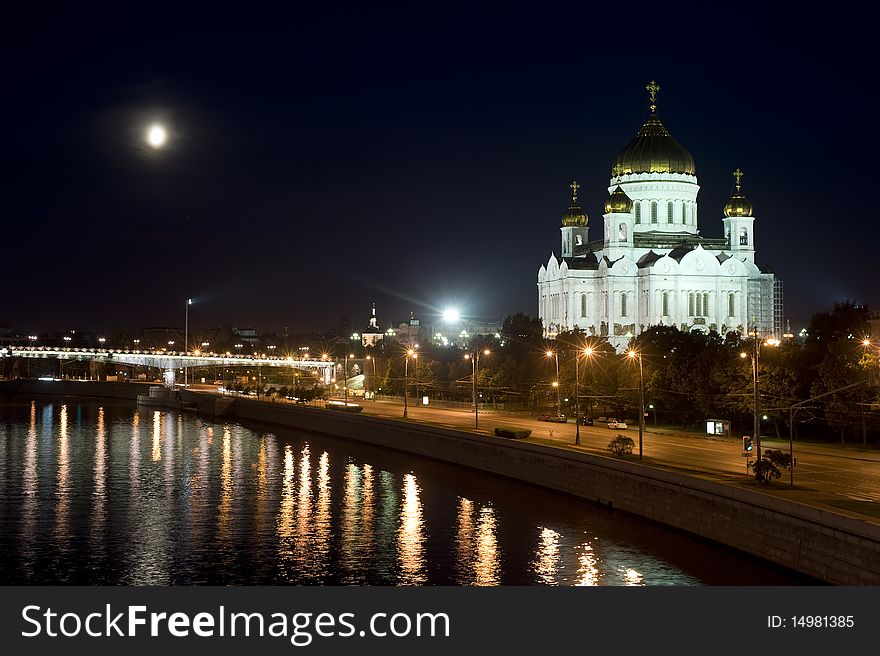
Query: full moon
point(156, 136)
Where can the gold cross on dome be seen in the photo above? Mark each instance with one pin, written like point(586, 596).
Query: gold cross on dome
point(653, 88)
point(618, 171)
point(738, 175)
point(574, 186)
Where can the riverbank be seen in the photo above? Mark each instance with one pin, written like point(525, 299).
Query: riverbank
point(828, 546)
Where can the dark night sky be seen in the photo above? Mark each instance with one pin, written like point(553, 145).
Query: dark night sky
point(412, 160)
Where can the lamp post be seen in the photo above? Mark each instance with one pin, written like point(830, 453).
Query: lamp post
point(756, 420)
point(409, 354)
point(633, 354)
point(189, 302)
point(475, 370)
point(345, 377)
point(555, 356)
point(370, 357)
point(588, 352)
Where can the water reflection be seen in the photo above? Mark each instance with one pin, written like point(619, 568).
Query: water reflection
point(30, 489)
point(588, 570)
point(410, 536)
point(477, 556)
point(99, 493)
point(62, 487)
point(547, 558)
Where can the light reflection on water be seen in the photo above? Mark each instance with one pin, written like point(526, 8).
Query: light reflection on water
point(106, 493)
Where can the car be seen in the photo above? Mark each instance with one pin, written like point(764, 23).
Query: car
point(560, 419)
point(619, 425)
point(585, 421)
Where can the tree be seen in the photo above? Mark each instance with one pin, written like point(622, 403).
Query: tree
point(770, 465)
point(621, 446)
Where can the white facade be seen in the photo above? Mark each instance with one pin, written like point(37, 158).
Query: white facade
point(652, 267)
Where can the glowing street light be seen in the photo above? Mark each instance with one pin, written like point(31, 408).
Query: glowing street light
point(370, 357)
point(345, 377)
point(555, 356)
point(475, 366)
point(451, 315)
point(587, 352)
point(410, 353)
point(633, 354)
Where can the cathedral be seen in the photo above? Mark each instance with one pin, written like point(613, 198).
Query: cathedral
point(652, 267)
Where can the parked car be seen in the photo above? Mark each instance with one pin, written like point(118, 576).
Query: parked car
point(560, 419)
point(585, 421)
point(619, 425)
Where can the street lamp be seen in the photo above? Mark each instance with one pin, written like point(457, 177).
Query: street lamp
point(189, 302)
point(238, 348)
point(370, 357)
point(409, 354)
point(555, 356)
point(633, 354)
point(588, 352)
point(475, 367)
point(756, 421)
point(345, 377)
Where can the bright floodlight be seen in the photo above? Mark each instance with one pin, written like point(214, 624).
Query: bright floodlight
point(451, 315)
point(157, 136)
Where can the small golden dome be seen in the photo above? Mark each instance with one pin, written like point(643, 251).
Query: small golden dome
point(575, 216)
point(618, 202)
point(738, 205)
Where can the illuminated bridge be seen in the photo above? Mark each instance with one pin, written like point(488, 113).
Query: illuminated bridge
point(168, 361)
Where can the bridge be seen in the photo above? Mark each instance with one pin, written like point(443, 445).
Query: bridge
point(169, 361)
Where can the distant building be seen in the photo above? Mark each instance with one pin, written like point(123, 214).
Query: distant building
point(409, 333)
point(461, 331)
point(372, 334)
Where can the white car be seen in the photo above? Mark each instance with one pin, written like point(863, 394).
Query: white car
point(617, 424)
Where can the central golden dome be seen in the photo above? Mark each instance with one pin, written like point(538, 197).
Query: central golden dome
point(653, 149)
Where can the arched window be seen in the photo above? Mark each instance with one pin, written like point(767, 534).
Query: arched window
point(653, 211)
point(705, 305)
point(637, 208)
point(699, 304)
point(623, 304)
point(621, 232)
point(665, 304)
point(605, 302)
point(583, 305)
point(669, 212)
point(578, 240)
point(690, 305)
point(743, 237)
point(731, 305)
point(684, 212)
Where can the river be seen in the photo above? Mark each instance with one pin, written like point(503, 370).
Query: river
point(104, 493)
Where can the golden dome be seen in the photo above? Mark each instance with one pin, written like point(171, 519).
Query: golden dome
point(738, 205)
point(653, 149)
point(575, 216)
point(618, 202)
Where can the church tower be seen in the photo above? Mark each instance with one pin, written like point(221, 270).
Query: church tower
point(619, 223)
point(739, 222)
point(574, 226)
point(660, 177)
